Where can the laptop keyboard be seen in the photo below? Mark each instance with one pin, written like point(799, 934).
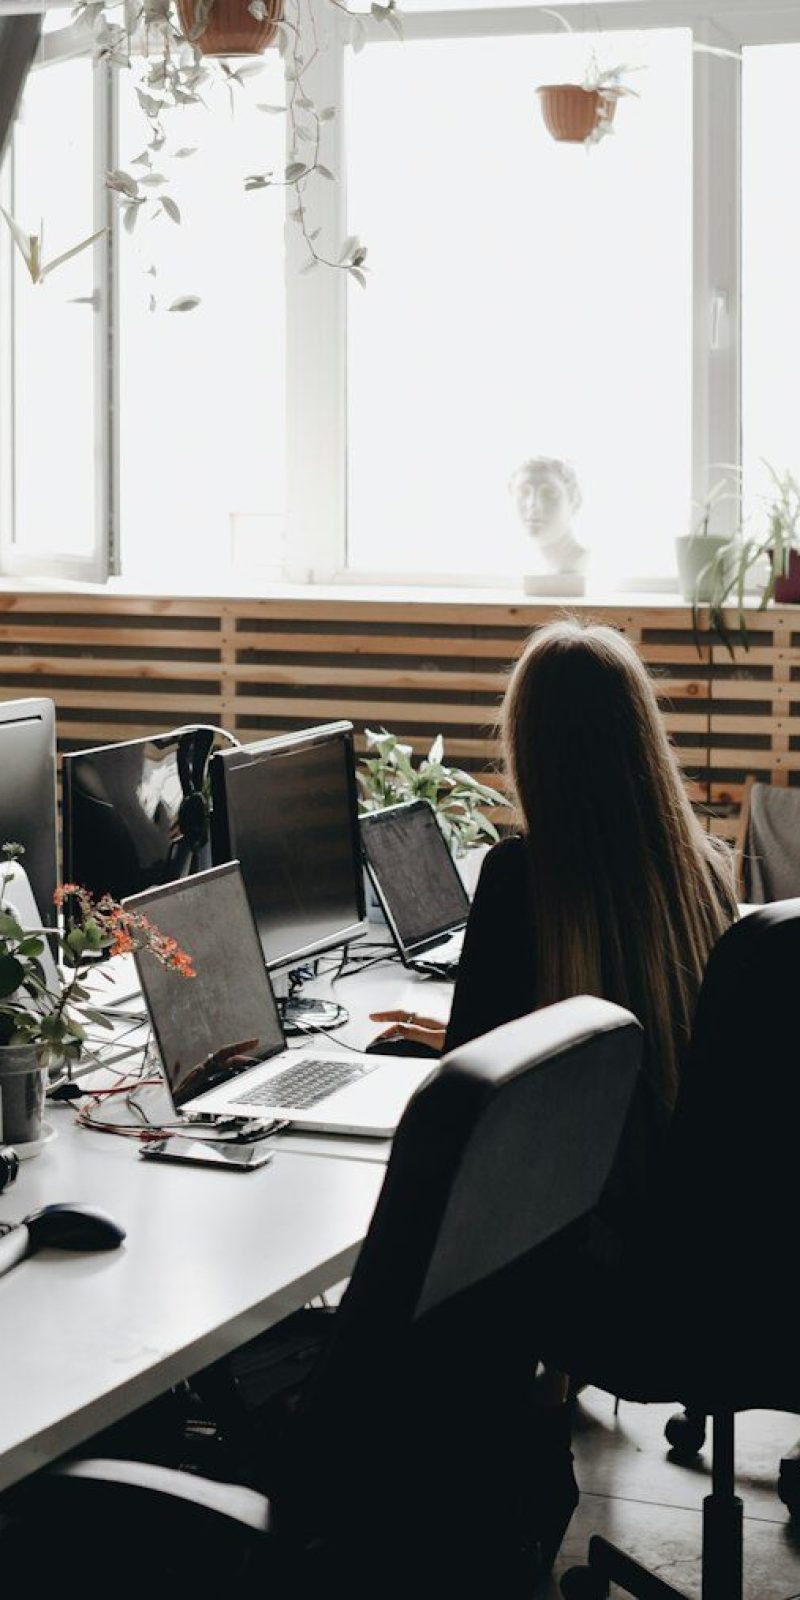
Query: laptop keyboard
point(304, 1083)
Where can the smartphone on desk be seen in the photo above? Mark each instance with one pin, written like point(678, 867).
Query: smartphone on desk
point(199, 1152)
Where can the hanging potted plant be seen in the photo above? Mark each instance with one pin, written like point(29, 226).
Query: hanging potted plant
point(583, 113)
point(230, 27)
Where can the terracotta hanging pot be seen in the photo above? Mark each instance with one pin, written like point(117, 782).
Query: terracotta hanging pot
point(230, 28)
point(571, 113)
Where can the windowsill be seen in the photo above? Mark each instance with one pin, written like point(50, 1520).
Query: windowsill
point(411, 594)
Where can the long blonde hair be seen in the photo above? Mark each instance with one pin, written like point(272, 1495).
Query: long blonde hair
point(630, 894)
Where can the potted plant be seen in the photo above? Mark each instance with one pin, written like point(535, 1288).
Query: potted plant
point(762, 566)
point(699, 551)
point(44, 1030)
point(583, 113)
point(783, 517)
point(389, 776)
point(230, 27)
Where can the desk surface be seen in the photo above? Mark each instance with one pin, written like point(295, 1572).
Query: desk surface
point(211, 1259)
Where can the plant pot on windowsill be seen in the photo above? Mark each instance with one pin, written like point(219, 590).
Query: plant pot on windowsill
point(22, 1086)
point(228, 27)
point(787, 584)
point(573, 114)
point(697, 555)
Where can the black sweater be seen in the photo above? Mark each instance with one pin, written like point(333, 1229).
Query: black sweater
point(497, 983)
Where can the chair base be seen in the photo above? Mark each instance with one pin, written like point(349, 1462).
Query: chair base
point(608, 1565)
point(723, 1523)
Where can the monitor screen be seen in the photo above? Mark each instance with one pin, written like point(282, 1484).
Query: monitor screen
point(286, 809)
point(135, 814)
point(217, 1023)
point(407, 853)
point(28, 793)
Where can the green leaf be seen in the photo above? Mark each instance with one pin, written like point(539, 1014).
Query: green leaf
point(9, 927)
point(31, 947)
point(12, 973)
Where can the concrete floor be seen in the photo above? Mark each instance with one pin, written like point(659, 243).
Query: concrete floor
point(635, 1496)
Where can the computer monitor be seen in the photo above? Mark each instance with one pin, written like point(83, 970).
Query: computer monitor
point(136, 813)
point(287, 809)
point(28, 807)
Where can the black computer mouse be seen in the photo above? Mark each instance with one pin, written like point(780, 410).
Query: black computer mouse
point(72, 1227)
point(401, 1047)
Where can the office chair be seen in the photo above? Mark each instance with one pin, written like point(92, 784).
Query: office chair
point(767, 846)
point(410, 1464)
point(709, 1321)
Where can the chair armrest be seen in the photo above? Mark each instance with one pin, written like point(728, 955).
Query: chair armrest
point(233, 1501)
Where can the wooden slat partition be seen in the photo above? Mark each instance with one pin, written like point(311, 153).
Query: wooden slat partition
point(123, 666)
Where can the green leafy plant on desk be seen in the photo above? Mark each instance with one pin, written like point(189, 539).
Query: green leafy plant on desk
point(56, 1025)
point(389, 776)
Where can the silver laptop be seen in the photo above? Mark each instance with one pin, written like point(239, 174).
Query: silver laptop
point(418, 884)
point(220, 1036)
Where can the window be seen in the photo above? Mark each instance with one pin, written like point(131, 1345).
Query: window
point(771, 242)
point(524, 297)
point(53, 331)
point(527, 298)
point(202, 408)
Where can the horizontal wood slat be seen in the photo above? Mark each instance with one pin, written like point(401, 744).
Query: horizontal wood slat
point(124, 666)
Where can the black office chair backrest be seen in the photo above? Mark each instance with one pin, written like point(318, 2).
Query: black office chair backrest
point(731, 1171)
point(509, 1146)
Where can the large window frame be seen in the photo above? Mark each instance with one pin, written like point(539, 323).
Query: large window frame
point(316, 308)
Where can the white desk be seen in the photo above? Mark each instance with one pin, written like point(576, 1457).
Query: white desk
point(211, 1259)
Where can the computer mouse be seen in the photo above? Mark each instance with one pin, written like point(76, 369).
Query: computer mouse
point(400, 1047)
point(72, 1227)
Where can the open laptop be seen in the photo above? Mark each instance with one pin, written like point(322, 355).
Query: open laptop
point(418, 884)
point(220, 1036)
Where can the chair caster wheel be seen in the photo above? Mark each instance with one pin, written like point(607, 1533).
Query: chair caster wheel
point(686, 1433)
point(581, 1583)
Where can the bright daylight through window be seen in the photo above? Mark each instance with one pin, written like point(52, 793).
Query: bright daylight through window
point(527, 298)
point(771, 240)
point(213, 413)
point(48, 330)
point(202, 414)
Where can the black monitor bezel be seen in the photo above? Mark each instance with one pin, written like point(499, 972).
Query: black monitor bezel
point(40, 709)
point(224, 844)
point(71, 756)
point(368, 823)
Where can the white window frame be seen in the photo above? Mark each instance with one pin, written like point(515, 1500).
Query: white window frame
point(316, 303)
point(66, 44)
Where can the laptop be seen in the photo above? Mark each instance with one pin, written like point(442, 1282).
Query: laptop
point(418, 885)
point(220, 1036)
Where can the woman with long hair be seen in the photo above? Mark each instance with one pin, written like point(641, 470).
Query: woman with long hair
point(612, 887)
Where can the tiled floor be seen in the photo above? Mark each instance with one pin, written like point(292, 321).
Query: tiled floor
point(650, 1506)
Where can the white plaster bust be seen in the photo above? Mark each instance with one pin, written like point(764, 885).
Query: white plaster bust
point(547, 497)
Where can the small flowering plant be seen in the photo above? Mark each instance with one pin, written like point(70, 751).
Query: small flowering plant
point(59, 1022)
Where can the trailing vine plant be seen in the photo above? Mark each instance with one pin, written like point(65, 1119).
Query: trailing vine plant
point(171, 71)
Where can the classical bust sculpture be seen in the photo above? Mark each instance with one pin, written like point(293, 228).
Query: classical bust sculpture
point(547, 497)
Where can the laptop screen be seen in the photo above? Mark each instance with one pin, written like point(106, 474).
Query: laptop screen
point(215, 1025)
point(418, 878)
